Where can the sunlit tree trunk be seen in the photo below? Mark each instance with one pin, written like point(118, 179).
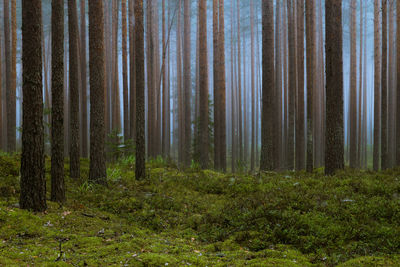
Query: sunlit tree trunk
point(334, 149)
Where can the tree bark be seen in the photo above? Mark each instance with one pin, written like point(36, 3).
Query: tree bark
point(187, 85)
point(310, 46)
point(139, 67)
point(384, 152)
point(377, 89)
point(33, 182)
point(398, 85)
point(203, 62)
point(57, 96)
point(84, 130)
point(132, 81)
point(74, 90)
point(268, 87)
point(97, 168)
point(334, 147)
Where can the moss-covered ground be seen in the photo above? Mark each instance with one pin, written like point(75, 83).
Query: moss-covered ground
point(205, 218)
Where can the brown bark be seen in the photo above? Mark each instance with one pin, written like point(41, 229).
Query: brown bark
point(83, 63)
point(240, 115)
point(2, 146)
point(268, 87)
point(384, 153)
point(165, 92)
point(132, 91)
point(139, 67)
point(310, 46)
point(125, 70)
point(277, 95)
point(187, 85)
point(377, 89)
point(334, 147)
point(253, 94)
point(115, 73)
point(203, 62)
point(398, 85)
point(300, 134)
point(57, 90)
point(353, 85)
point(97, 168)
point(292, 83)
point(33, 182)
point(74, 90)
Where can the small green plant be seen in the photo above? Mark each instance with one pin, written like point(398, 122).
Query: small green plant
point(117, 147)
point(85, 187)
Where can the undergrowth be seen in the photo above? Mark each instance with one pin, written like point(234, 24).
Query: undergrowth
point(205, 218)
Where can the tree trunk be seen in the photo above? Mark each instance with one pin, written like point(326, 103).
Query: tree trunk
point(57, 96)
point(125, 70)
point(300, 136)
point(268, 133)
point(398, 85)
point(334, 147)
point(139, 66)
point(377, 83)
point(74, 90)
point(310, 46)
point(132, 83)
point(253, 94)
point(84, 130)
point(240, 116)
point(353, 85)
point(359, 111)
point(97, 168)
point(384, 154)
point(203, 62)
point(187, 85)
point(277, 95)
point(181, 128)
point(33, 182)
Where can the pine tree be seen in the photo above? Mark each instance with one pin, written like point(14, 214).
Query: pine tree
point(57, 85)
point(334, 146)
point(83, 63)
point(33, 182)
point(384, 89)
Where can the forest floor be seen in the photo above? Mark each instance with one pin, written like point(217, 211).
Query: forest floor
point(205, 218)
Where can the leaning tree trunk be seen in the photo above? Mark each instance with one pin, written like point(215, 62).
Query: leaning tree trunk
point(334, 147)
point(33, 181)
point(57, 96)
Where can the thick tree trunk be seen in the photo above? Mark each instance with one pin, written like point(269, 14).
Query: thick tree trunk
point(97, 168)
point(74, 90)
point(33, 182)
point(139, 67)
point(57, 90)
point(334, 147)
point(268, 86)
point(277, 95)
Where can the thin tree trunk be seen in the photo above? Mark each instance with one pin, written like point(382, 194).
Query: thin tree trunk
point(179, 87)
point(334, 87)
point(203, 82)
point(377, 83)
point(353, 85)
point(139, 66)
point(187, 85)
point(132, 91)
point(359, 112)
point(253, 94)
point(398, 85)
point(310, 46)
point(300, 135)
point(84, 129)
point(74, 90)
point(384, 153)
point(240, 116)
